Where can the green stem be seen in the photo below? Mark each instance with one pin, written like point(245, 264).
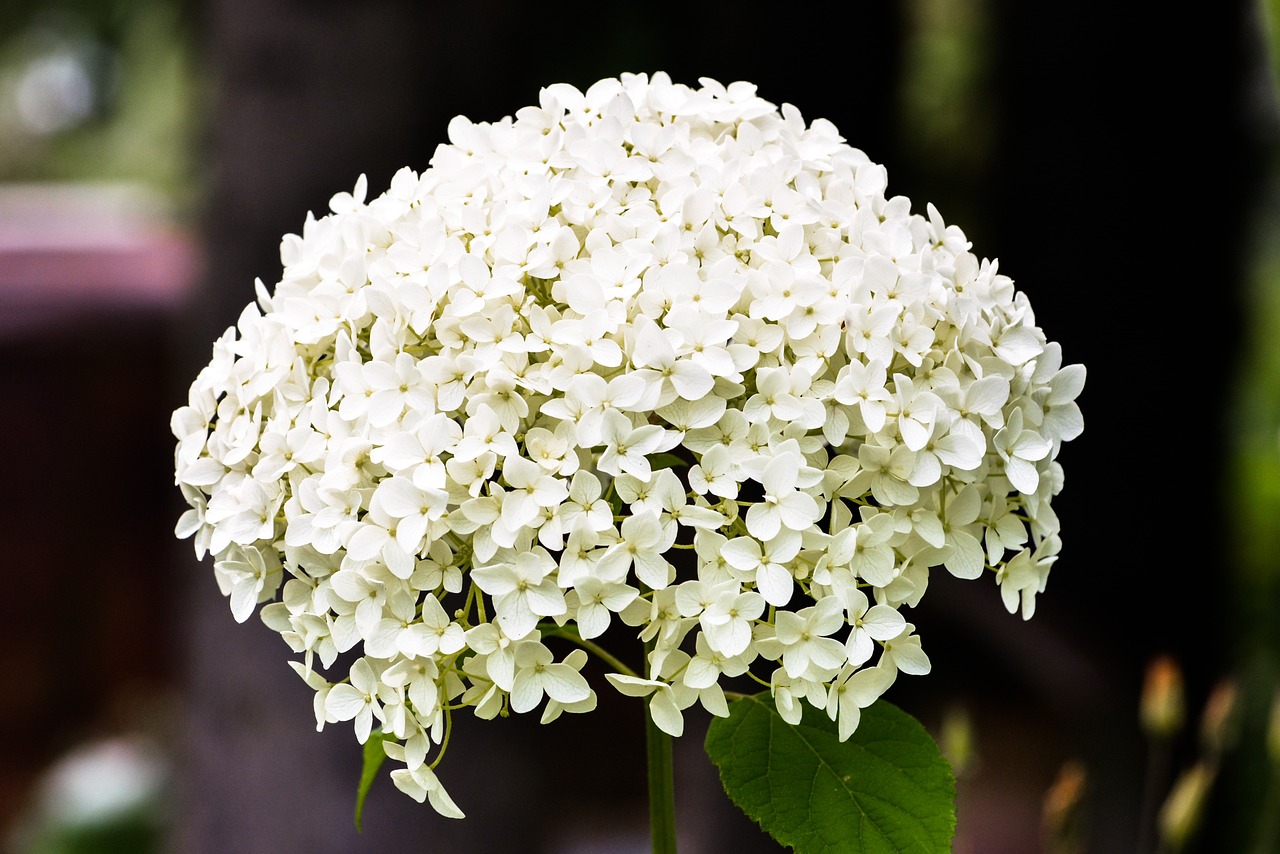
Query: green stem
point(444, 745)
point(662, 789)
point(571, 635)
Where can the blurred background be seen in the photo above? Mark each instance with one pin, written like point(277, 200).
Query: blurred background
point(1121, 165)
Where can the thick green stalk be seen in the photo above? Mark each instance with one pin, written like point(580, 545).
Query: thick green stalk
point(662, 780)
point(662, 789)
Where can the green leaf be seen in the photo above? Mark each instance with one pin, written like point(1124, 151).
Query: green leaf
point(374, 756)
point(887, 790)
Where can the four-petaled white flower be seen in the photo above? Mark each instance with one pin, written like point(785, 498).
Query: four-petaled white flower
point(627, 446)
point(538, 674)
point(522, 590)
point(783, 506)
point(357, 699)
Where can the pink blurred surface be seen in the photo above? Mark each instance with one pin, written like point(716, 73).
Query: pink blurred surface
point(70, 252)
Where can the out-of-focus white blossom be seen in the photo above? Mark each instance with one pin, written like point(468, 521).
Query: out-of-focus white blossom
point(648, 351)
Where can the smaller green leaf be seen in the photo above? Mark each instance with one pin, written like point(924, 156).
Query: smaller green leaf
point(374, 756)
point(666, 461)
point(887, 790)
point(616, 503)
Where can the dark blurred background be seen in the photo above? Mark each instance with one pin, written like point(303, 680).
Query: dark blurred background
point(1121, 166)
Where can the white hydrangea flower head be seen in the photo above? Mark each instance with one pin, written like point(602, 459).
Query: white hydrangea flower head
point(647, 356)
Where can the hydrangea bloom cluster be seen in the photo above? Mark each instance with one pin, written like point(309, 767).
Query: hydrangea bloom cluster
point(652, 356)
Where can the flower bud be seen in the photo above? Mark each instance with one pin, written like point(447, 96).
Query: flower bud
point(957, 740)
point(1218, 726)
point(1181, 813)
point(1162, 708)
point(1059, 817)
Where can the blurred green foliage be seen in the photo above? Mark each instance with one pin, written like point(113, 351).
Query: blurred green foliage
point(948, 116)
point(1250, 798)
point(135, 833)
point(100, 91)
